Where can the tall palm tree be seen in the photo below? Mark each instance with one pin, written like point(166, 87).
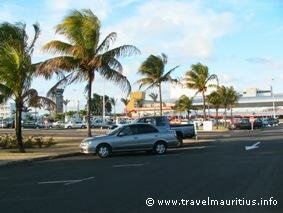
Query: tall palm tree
point(125, 101)
point(184, 104)
point(153, 68)
point(229, 98)
point(85, 54)
point(198, 78)
point(113, 102)
point(234, 97)
point(154, 97)
point(17, 71)
point(66, 102)
point(215, 99)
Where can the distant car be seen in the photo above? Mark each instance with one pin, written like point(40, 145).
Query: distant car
point(246, 124)
point(101, 124)
point(272, 121)
point(7, 123)
point(58, 124)
point(74, 125)
point(31, 125)
point(131, 137)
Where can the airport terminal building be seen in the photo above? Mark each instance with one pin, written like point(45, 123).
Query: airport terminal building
point(252, 102)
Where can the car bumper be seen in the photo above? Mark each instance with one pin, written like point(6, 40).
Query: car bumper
point(87, 150)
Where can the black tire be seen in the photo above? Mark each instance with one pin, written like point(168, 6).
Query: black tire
point(160, 147)
point(69, 127)
point(103, 150)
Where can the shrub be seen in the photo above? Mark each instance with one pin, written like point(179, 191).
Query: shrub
point(10, 142)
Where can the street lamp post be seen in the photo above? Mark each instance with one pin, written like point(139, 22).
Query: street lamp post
point(273, 102)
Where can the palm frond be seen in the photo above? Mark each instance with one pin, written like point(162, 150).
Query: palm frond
point(63, 63)
point(104, 46)
point(122, 51)
point(36, 28)
point(58, 47)
point(64, 80)
point(116, 77)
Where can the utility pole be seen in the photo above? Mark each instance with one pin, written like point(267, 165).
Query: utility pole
point(273, 102)
point(103, 108)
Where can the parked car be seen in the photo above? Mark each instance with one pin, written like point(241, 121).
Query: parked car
point(7, 123)
point(130, 137)
point(246, 124)
point(31, 125)
point(272, 121)
point(100, 124)
point(75, 125)
point(58, 124)
point(162, 123)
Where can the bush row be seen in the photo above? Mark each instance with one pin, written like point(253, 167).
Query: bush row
point(10, 142)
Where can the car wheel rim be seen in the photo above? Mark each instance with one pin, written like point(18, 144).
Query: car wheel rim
point(103, 151)
point(160, 148)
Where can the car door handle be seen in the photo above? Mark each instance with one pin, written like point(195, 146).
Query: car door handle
point(135, 137)
point(156, 136)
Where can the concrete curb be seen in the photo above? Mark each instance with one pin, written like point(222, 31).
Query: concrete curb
point(50, 157)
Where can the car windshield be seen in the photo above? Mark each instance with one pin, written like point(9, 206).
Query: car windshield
point(115, 131)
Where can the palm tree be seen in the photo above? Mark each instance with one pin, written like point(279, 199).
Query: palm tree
point(215, 99)
point(153, 68)
point(184, 104)
point(84, 56)
point(17, 71)
point(66, 102)
point(198, 78)
point(229, 98)
point(113, 102)
point(125, 101)
point(233, 99)
point(154, 97)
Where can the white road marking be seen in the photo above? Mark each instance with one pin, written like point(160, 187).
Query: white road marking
point(67, 182)
point(129, 165)
point(254, 146)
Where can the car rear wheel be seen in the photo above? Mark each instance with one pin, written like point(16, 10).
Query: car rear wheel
point(160, 148)
point(103, 151)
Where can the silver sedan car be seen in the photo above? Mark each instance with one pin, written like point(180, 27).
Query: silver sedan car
point(130, 137)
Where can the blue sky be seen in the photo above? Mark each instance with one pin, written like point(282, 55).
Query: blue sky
point(239, 40)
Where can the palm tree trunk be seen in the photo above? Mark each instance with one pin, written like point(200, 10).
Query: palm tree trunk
point(160, 99)
point(154, 108)
point(204, 112)
point(18, 125)
point(216, 118)
point(225, 116)
point(88, 106)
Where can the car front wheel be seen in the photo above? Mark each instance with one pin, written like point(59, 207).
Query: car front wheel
point(103, 151)
point(160, 148)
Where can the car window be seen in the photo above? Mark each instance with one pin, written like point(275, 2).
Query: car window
point(126, 131)
point(160, 121)
point(144, 129)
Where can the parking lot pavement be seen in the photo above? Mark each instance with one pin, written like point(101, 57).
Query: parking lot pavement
point(124, 182)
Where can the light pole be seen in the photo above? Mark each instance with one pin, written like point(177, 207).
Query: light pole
point(273, 102)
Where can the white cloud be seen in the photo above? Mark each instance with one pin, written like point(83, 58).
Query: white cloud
point(179, 28)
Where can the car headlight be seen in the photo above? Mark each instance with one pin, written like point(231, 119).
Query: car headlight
point(84, 143)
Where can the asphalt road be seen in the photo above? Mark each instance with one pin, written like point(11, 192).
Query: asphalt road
point(220, 170)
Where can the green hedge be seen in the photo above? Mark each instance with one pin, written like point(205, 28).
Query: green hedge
point(10, 142)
